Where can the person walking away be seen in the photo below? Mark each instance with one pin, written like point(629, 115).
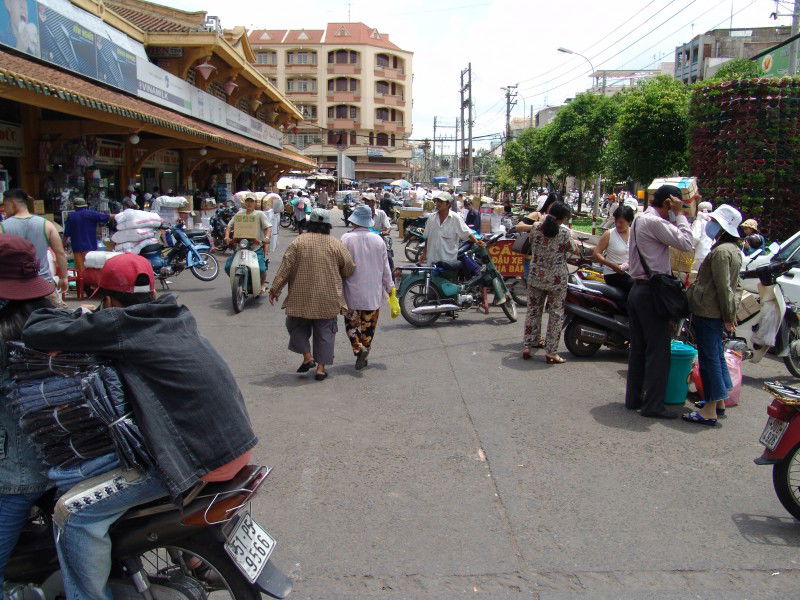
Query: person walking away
point(713, 300)
point(22, 473)
point(753, 240)
point(38, 231)
point(254, 225)
point(444, 231)
point(314, 266)
point(136, 330)
point(277, 211)
point(702, 243)
point(652, 235)
point(301, 207)
point(612, 250)
point(81, 231)
point(369, 285)
point(473, 219)
point(547, 282)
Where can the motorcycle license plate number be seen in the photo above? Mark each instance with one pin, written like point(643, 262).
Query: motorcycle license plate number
point(250, 547)
point(773, 432)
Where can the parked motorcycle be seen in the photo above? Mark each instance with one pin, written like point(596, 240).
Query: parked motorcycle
point(182, 252)
point(414, 237)
point(781, 441)
point(596, 315)
point(426, 293)
point(162, 551)
point(245, 275)
point(219, 220)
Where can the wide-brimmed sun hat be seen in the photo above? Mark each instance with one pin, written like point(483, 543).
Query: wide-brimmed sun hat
point(19, 270)
point(362, 216)
point(750, 224)
point(728, 218)
point(320, 215)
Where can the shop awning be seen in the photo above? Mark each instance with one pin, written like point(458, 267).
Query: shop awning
point(56, 90)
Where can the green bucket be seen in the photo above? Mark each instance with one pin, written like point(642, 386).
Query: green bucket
point(682, 357)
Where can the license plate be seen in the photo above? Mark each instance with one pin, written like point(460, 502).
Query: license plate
point(773, 432)
point(250, 547)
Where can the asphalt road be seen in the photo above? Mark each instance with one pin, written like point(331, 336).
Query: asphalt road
point(450, 468)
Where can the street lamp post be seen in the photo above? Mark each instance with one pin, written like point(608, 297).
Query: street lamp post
point(596, 202)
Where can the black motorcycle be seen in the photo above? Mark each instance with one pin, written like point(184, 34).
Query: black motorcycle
point(596, 315)
point(159, 550)
point(219, 220)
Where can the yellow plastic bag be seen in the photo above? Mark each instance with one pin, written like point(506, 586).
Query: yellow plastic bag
point(394, 303)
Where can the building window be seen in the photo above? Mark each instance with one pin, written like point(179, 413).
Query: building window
point(382, 139)
point(396, 63)
point(337, 138)
point(266, 58)
point(382, 114)
point(353, 138)
point(371, 138)
point(382, 60)
point(393, 140)
point(302, 140)
point(343, 57)
point(301, 57)
point(382, 87)
point(342, 111)
point(309, 111)
point(301, 85)
point(217, 91)
point(190, 76)
point(343, 84)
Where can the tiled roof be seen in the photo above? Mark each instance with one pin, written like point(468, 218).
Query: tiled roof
point(152, 21)
point(266, 37)
point(304, 36)
point(23, 73)
point(357, 33)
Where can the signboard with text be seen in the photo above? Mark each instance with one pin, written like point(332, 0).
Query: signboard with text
point(69, 37)
point(508, 262)
point(10, 140)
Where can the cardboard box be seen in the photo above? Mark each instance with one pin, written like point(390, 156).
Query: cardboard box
point(681, 261)
point(748, 306)
point(245, 226)
point(687, 186)
point(407, 212)
point(38, 207)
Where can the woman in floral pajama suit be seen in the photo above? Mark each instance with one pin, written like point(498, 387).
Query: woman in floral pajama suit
point(547, 282)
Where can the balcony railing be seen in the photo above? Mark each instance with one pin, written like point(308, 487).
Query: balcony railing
point(390, 99)
point(386, 125)
point(344, 68)
point(344, 96)
point(390, 73)
point(339, 123)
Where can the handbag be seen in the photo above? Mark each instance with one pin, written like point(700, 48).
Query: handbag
point(522, 243)
point(669, 298)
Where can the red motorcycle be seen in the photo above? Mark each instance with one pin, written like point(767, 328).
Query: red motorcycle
point(781, 440)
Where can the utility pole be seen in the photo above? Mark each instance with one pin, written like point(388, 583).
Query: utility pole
point(455, 166)
point(434, 143)
point(511, 102)
point(466, 103)
point(793, 46)
point(530, 120)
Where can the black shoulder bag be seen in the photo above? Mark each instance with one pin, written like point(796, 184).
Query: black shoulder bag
point(669, 299)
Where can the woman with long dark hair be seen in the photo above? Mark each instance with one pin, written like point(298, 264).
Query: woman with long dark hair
point(23, 475)
point(713, 300)
point(547, 282)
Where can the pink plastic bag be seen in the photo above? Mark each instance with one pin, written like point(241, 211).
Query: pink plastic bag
point(734, 361)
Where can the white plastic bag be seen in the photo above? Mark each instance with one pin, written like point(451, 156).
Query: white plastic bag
point(96, 258)
point(769, 320)
point(132, 235)
point(130, 218)
point(135, 247)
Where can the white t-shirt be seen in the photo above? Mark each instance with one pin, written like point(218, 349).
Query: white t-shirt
point(381, 220)
point(443, 239)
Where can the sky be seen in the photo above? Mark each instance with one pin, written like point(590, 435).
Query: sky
point(508, 42)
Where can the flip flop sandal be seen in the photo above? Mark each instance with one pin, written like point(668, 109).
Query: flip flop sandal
point(554, 360)
point(702, 403)
point(306, 366)
point(696, 417)
point(526, 353)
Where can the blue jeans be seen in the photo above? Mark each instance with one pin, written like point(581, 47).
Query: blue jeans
point(14, 509)
point(83, 516)
point(708, 334)
point(526, 267)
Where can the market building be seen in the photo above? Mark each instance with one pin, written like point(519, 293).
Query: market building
point(99, 96)
point(353, 88)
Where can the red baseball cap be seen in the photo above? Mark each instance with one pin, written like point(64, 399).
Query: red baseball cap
point(119, 274)
point(19, 270)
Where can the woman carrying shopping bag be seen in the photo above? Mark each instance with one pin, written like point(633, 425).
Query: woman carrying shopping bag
point(713, 299)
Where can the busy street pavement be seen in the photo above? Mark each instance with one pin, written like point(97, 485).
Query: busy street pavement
point(450, 467)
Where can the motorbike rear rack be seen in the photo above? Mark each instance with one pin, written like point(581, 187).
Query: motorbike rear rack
point(786, 394)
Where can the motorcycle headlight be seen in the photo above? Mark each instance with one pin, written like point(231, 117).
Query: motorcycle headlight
point(244, 244)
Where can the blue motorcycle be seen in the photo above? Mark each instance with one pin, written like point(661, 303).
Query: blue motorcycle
point(184, 250)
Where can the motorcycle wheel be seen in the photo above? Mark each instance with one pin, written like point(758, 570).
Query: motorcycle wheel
point(238, 294)
point(412, 250)
point(786, 481)
point(518, 290)
point(217, 574)
point(210, 271)
point(510, 308)
point(575, 345)
point(413, 297)
point(793, 362)
point(286, 220)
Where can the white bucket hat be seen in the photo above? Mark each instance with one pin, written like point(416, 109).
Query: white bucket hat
point(320, 215)
point(728, 218)
point(362, 216)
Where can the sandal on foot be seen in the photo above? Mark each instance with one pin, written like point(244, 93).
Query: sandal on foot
point(320, 376)
point(702, 403)
point(306, 366)
point(696, 417)
point(526, 353)
point(554, 360)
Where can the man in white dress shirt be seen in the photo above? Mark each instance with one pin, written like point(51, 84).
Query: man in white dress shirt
point(444, 232)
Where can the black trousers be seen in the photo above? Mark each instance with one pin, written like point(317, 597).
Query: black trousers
point(648, 359)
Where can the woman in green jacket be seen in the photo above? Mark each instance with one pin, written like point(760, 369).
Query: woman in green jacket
point(713, 300)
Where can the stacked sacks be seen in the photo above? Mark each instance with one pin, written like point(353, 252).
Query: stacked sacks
point(135, 230)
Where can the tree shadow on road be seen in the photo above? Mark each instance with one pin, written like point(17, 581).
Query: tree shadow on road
point(768, 530)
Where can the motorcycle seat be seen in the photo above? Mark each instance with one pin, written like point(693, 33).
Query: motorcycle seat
point(609, 291)
point(448, 265)
point(196, 233)
point(151, 249)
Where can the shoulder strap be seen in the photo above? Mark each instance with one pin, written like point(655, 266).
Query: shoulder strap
point(641, 258)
